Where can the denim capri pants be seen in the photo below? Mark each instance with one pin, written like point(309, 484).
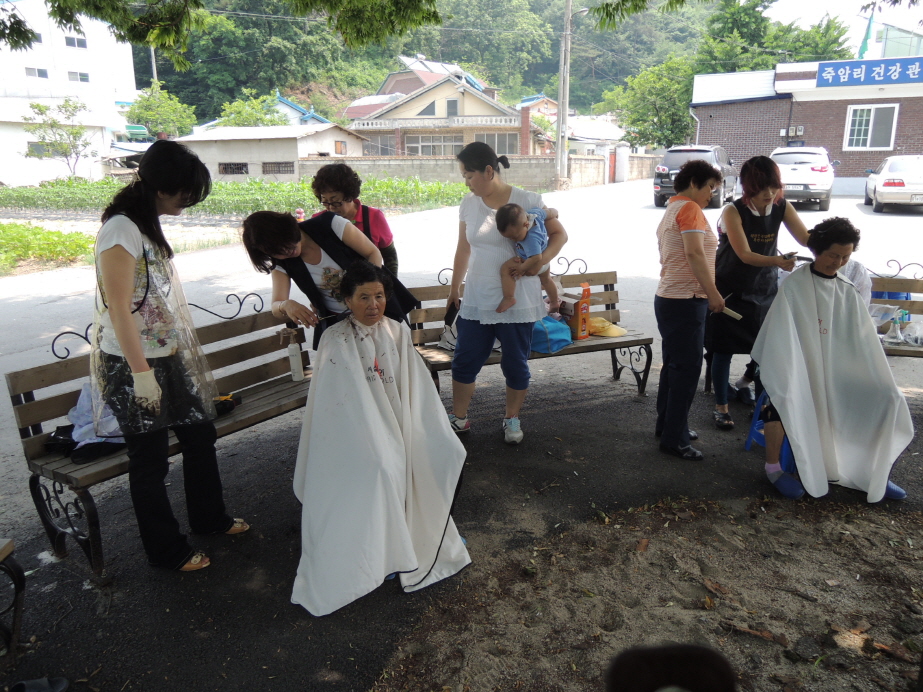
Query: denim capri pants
point(475, 342)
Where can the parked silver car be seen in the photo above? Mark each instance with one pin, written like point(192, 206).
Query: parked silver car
point(898, 180)
point(807, 174)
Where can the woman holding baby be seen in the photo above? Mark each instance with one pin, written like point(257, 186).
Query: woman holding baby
point(481, 252)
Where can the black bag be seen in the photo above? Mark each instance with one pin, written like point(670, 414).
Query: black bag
point(61, 441)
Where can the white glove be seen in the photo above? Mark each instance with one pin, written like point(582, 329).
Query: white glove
point(147, 391)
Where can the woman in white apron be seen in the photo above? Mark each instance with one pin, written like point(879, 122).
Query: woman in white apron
point(147, 362)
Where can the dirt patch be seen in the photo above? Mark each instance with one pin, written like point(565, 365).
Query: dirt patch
point(798, 596)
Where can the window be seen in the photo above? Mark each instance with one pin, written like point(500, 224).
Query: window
point(451, 108)
point(36, 72)
point(871, 127)
point(233, 169)
point(502, 143)
point(271, 167)
point(433, 145)
point(78, 76)
point(36, 149)
point(339, 148)
point(380, 145)
point(429, 110)
point(75, 42)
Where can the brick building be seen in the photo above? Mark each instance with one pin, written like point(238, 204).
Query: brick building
point(861, 111)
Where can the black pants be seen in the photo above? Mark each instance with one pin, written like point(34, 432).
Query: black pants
point(682, 328)
point(164, 543)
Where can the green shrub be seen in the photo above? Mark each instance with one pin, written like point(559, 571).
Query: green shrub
point(20, 241)
point(238, 199)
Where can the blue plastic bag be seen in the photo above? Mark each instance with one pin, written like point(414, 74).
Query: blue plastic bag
point(550, 336)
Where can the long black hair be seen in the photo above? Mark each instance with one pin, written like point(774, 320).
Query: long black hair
point(166, 167)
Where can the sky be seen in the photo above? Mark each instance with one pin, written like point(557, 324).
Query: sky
point(807, 12)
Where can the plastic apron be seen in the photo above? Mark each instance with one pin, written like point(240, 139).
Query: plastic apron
point(169, 342)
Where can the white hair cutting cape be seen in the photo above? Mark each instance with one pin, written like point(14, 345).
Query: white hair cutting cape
point(377, 470)
point(827, 375)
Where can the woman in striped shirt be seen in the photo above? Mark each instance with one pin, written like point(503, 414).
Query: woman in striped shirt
point(684, 295)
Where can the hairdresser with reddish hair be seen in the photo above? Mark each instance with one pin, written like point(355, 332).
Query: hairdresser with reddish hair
point(747, 270)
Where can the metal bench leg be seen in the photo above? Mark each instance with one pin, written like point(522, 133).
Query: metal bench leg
point(9, 637)
point(633, 357)
point(59, 517)
point(435, 378)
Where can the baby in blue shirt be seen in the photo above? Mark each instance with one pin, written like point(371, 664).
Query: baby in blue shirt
point(527, 230)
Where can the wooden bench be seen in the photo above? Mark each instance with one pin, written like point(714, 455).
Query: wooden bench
point(427, 324)
point(9, 634)
point(914, 307)
point(247, 359)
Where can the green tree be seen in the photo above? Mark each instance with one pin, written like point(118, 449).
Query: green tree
point(160, 111)
point(166, 24)
point(653, 107)
point(740, 37)
point(58, 134)
point(251, 111)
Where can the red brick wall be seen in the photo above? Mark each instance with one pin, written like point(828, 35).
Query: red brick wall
point(744, 129)
point(751, 128)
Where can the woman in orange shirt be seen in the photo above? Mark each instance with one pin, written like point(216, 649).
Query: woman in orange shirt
point(684, 295)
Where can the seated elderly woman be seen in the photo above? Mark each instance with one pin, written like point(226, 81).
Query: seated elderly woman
point(828, 379)
point(378, 464)
point(314, 254)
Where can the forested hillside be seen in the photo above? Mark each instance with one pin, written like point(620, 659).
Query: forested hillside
point(512, 44)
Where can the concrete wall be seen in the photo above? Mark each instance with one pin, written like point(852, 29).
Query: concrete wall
point(528, 172)
point(250, 151)
point(641, 166)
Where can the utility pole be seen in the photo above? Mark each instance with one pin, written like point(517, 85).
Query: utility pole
point(153, 65)
point(560, 151)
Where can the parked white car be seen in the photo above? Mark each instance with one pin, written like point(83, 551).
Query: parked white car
point(898, 180)
point(807, 174)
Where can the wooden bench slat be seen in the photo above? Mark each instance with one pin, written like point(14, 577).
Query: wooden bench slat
point(41, 376)
point(914, 307)
point(423, 315)
point(260, 373)
point(240, 353)
point(42, 410)
point(896, 285)
point(239, 326)
point(594, 279)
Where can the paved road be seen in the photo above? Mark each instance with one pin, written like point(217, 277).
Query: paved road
point(609, 226)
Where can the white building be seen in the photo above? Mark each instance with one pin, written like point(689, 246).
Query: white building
point(238, 153)
point(93, 68)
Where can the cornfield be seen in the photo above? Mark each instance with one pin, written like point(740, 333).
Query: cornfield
point(238, 199)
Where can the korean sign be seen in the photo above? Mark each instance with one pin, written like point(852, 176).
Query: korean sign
point(870, 72)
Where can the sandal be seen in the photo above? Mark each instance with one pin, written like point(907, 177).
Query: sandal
point(196, 562)
point(239, 526)
point(723, 421)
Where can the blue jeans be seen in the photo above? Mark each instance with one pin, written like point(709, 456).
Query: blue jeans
point(681, 322)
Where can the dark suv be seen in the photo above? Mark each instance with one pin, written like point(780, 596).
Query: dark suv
point(677, 156)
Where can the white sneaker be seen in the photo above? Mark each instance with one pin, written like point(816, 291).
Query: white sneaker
point(459, 425)
point(512, 431)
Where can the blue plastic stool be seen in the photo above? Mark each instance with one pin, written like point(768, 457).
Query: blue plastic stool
point(786, 456)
